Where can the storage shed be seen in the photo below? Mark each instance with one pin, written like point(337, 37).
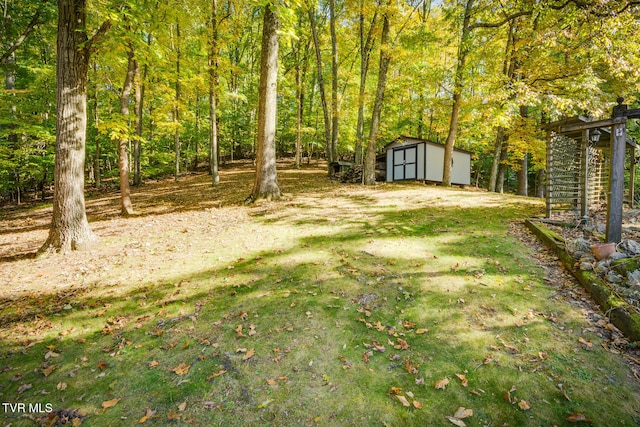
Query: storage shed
point(411, 158)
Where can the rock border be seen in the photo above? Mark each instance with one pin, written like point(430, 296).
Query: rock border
point(621, 315)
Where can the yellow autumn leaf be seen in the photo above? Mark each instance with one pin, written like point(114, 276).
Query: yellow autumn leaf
point(585, 343)
point(441, 384)
point(110, 403)
point(182, 406)
point(524, 405)
point(154, 364)
point(421, 331)
point(181, 369)
point(417, 405)
point(217, 374)
point(248, 355)
point(271, 381)
point(463, 380)
point(148, 414)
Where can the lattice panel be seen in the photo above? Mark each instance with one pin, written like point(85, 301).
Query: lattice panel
point(563, 173)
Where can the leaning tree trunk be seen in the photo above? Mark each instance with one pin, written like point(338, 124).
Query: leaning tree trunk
point(369, 172)
point(265, 185)
point(69, 226)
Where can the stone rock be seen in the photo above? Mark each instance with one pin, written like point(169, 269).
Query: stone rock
point(602, 268)
point(630, 246)
point(579, 247)
point(618, 255)
point(586, 266)
point(634, 278)
point(613, 277)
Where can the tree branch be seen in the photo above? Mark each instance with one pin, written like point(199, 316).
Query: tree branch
point(95, 39)
point(501, 23)
point(29, 28)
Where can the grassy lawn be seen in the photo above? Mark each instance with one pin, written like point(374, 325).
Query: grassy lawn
point(342, 305)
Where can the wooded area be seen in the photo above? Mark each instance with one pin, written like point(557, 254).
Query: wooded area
point(168, 87)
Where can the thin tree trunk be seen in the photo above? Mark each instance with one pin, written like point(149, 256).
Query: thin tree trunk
point(126, 208)
point(523, 184)
point(335, 114)
point(495, 164)
point(69, 226)
point(508, 69)
point(323, 98)
point(176, 109)
point(266, 180)
point(369, 172)
point(458, 85)
point(213, 88)
point(139, 107)
point(97, 174)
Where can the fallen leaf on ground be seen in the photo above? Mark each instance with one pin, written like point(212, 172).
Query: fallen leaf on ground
point(402, 344)
point(110, 403)
point(49, 369)
point(271, 381)
point(248, 355)
point(239, 331)
point(403, 400)
point(102, 365)
point(585, 343)
point(456, 421)
point(61, 386)
point(463, 412)
point(394, 391)
point(441, 384)
point(574, 418)
point(153, 364)
point(463, 380)
point(182, 406)
point(524, 405)
point(148, 414)
point(217, 374)
point(181, 369)
point(417, 405)
point(421, 331)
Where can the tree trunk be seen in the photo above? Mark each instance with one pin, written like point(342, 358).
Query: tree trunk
point(97, 174)
point(69, 226)
point(369, 172)
point(508, 69)
point(323, 98)
point(126, 208)
point(458, 85)
point(176, 109)
point(139, 106)
point(366, 45)
point(523, 184)
point(495, 164)
point(335, 115)
point(266, 180)
point(213, 88)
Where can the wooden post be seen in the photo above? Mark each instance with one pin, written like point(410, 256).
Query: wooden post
point(632, 177)
point(616, 178)
point(547, 183)
point(584, 171)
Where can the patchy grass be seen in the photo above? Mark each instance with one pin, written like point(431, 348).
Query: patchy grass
point(324, 309)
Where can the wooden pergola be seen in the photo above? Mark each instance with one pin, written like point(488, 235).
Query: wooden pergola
point(589, 135)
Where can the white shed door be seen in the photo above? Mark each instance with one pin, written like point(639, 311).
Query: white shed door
point(405, 163)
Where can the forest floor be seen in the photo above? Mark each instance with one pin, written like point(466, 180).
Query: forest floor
point(399, 304)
